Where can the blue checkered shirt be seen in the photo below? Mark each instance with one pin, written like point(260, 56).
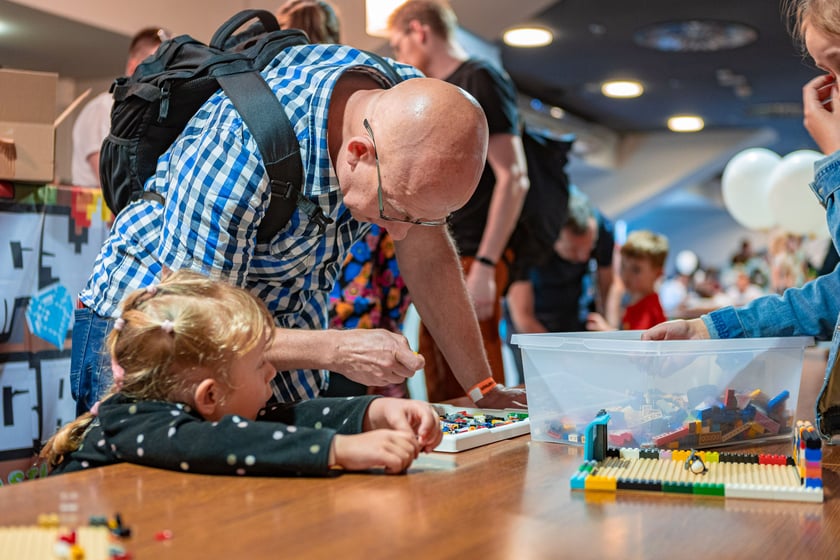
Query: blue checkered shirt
point(216, 191)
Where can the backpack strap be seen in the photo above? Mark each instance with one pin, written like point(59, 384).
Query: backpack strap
point(279, 148)
point(277, 141)
point(386, 67)
point(225, 33)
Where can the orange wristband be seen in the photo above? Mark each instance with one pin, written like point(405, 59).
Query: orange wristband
point(481, 388)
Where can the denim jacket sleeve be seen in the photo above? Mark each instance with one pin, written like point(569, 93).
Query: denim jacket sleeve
point(810, 310)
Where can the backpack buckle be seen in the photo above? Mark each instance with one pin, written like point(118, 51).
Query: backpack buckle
point(283, 189)
point(315, 213)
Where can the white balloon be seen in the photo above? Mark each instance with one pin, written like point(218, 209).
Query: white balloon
point(792, 203)
point(744, 187)
point(686, 262)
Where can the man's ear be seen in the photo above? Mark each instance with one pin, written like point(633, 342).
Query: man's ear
point(206, 396)
point(415, 26)
point(357, 148)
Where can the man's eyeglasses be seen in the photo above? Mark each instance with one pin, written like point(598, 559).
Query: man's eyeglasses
point(382, 215)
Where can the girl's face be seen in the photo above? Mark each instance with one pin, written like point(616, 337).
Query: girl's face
point(824, 49)
point(250, 387)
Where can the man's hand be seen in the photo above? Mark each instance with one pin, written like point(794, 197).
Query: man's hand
point(503, 397)
point(373, 357)
point(693, 329)
point(481, 286)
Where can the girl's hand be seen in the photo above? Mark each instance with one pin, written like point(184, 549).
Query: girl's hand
point(819, 97)
point(415, 418)
point(679, 329)
point(390, 449)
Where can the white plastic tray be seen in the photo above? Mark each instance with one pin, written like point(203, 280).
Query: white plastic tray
point(453, 443)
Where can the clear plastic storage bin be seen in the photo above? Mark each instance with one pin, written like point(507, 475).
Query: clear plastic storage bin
point(679, 394)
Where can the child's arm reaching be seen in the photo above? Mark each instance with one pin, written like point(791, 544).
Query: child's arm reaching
point(396, 430)
point(416, 418)
point(597, 322)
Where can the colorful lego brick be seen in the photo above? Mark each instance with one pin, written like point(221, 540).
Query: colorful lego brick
point(649, 454)
point(759, 398)
point(777, 401)
point(705, 412)
point(601, 483)
point(669, 437)
point(595, 446)
point(707, 439)
point(680, 455)
point(733, 434)
point(578, 480)
point(620, 439)
point(709, 489)
point(768, 459)
point(729, 400)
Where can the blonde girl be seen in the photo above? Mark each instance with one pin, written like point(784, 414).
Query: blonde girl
point(190, 389)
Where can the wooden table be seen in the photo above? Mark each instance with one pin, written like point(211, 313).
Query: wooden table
point(506, 500)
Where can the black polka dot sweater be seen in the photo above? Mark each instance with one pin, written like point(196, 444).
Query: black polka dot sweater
point(287, 439)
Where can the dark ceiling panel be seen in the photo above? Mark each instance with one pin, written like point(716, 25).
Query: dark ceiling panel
point(595, 42)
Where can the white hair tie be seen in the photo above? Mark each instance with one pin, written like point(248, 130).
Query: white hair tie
point(167, 326)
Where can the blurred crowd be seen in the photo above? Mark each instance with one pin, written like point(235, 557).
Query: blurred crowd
point(789, 260)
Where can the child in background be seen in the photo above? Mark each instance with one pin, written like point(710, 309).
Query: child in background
point(190, 390)
point(641, 263)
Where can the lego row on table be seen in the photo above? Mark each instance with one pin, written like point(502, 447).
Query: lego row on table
point(797, 477)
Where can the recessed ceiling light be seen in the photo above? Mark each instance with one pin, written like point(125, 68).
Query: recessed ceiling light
point(557, 112)
point(622, 89)
point(686, 123)
point(527, 37)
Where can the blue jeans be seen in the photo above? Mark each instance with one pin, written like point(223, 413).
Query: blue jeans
point(90, 365)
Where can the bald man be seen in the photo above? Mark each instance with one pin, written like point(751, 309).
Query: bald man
point(402, 157)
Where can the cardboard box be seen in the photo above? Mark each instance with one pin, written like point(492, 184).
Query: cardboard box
point(27, 133)
point(674, 394)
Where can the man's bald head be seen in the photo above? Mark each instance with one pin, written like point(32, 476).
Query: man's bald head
point(432, 143)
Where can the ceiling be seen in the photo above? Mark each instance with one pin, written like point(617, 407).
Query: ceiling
point(626, 160)
point(32, 39)
point(595, 42)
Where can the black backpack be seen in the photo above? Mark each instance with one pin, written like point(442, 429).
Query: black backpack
point(545, 208)
point(152, 106)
